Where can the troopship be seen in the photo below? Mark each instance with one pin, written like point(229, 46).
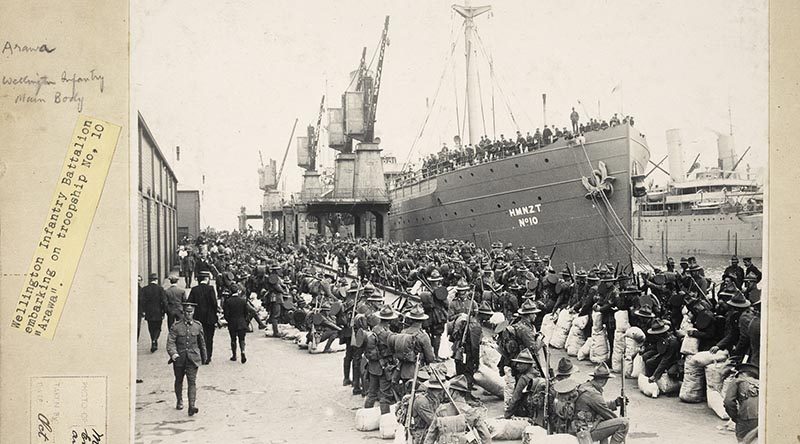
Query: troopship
point(713, 210)
point(573, 198)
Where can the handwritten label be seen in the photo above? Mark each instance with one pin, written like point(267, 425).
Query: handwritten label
point(66, 227)
point(68, 409)
point(528, 211)
point(67, 88)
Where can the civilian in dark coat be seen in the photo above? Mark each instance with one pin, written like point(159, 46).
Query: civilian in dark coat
point(237, 312)
point(155, 306)
point(206, 313)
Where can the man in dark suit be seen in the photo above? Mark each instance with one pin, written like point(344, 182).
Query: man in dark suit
point(187, 349)
point(237, 311)
point(204, 296)
point(175, 297)
point(155, 306)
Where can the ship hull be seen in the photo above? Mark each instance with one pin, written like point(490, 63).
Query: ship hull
point(532, 199)
point(660, 237)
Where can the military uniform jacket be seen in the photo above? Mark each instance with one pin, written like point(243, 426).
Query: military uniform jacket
point(186, 340)
point(475, 417)
point(517, 397)
point(741, 399)
point(591, 408)
point(379, 341)
point(206, 299)
point(669, 352)
point(422, 346)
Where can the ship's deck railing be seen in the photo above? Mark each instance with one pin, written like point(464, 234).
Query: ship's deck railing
point(459, 162)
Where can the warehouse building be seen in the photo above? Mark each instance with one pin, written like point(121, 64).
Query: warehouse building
point(157, 235)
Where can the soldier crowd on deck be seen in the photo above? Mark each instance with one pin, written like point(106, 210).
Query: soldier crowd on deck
point(486, 150)
point(453, 288)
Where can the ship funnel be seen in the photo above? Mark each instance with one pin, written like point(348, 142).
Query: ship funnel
point(726, 152)
point(675, 153)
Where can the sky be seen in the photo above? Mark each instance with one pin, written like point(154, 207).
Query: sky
point(225, 80)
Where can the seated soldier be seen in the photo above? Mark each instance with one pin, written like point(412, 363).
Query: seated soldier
point(594, 416)
point(458, 418)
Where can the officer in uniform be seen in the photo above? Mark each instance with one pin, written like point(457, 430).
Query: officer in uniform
point(741, 402)
point(186, 347)
point(594, 416)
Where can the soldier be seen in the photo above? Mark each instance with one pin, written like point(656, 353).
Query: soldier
point(155, 305)
point(665, 355)
point(526, 333)
point(594, 416)
point(750, 333)
point(175, 296)
point(735, 271)
point(750, 267)
point(562, 417)
point(275, 293)
point(187, 349)
point(527, 399)
point(456, 418)
point(204, 297)
point(236, 311)
point(423, 410)
point(465, 334)
point(379, 360)
point(436, 307)
point(737, 305)
point(751, 290)
point(741, 402)
point(345, 319)
point(547, 136)
point(410, 343)
point(461, 303)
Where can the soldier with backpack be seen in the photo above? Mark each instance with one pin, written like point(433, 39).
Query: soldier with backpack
point(527, 399)
point(380, 363)
point(407, 344)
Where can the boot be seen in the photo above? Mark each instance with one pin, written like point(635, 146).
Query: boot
point(244, 358)
point(193, 410)
point(153, 346)
point(179, 405)
point(233, 357)
point(347, 382)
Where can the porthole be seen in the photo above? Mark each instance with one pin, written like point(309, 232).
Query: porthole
point(472, 174)
point(539, 198)
point(546, 160)
point(459, 176)
point(491, 170)
point(455, 213)
point(445, 181)
point(513, 202)
point(471, 210)
point(516, 165)
point(498, 205)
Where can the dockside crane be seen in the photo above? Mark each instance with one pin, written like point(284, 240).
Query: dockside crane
point(372, 102)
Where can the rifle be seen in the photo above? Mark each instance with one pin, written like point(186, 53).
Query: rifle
point(353, 317)
point(461, 347)
point(622, 383)
point(410, 410)
point(470, 431)
point(547, 389)
point(553, 253)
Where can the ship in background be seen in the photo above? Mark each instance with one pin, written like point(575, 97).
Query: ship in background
point(574, 197)
point(708, 211)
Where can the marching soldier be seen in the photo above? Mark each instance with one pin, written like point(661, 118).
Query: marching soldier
point(594, 416)
point(187, 350)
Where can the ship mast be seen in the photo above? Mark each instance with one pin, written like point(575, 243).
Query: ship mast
point(471, 52)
